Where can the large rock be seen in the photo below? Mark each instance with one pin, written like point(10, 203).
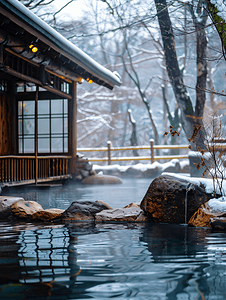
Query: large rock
point(47, 215)
point(129, 213)
point(101, 179)
point(218, 224)
point(214, 208)
point(165, 199)
point(83, 210)
point(5, 205)
point(102, 202)
point(24, 209)
point(201, 218)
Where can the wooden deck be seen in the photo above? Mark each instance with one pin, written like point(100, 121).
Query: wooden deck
point(18, 170)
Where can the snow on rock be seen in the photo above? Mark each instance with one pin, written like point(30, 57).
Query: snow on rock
point(217, 205)
point(205, 182)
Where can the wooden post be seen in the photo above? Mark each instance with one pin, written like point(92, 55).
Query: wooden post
point(109, 152)
point(152, 150)
point(36, 135)
point(73, 136)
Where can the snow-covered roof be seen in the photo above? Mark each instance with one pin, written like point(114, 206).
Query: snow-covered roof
point(60, 44)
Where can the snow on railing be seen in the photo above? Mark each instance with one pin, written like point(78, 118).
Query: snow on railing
point(151, 147)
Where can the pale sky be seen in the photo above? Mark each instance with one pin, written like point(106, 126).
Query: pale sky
point(76, 9)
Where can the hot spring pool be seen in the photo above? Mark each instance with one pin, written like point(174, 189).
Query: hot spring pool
point(117, 196)
point(104, 261)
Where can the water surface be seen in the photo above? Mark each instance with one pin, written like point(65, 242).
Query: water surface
point(83, 261)
point(117, 196)
point(105, 261)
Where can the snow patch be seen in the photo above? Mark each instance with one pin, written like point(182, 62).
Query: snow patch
point(217, 205)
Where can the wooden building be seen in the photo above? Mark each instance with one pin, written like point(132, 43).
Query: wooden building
point(39, 72)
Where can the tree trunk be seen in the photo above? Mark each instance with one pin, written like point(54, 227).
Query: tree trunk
point(219, 23)
point(199, 16)
point(133, 138)
point(180, 92)
point(201, 70)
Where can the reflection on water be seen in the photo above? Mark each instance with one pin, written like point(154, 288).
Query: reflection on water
point(84, 261)
point(117, 196)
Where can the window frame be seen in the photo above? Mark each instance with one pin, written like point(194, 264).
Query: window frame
point(63, 135)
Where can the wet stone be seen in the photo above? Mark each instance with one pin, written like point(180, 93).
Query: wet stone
point(218, 223)
point(201, 218)
point(165, 199)
point(5, 205)
point(131, 213)
point(83, 210)
point(102, 179)
point(209, 210)
point(24, 209)
point(47, 215)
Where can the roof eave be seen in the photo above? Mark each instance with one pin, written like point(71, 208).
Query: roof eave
point(60, 44)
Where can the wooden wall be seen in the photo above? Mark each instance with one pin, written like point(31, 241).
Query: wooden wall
point(5, 125)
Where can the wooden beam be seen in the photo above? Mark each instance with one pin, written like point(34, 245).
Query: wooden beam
point(37, 82)
point(36, 135)
point(59, 93)
point(1, 127)
point(73, 129)
point(21, 76)
point(43, 95)
point(1, 55)
point(14, 118)
point(52, 67)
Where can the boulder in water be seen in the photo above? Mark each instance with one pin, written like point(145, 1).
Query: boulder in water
point(47, 215)
point(129, 213)
point(101, 179)
point(5, 205)
point(214, 209)
point(165, 199)
point(24, 209)
point(83, 210)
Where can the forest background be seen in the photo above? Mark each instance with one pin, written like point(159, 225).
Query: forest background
point(168, 55)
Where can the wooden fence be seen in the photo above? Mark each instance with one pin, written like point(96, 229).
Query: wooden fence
point(15, 168)
point(109, 149)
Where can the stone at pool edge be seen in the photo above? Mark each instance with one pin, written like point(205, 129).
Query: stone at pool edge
point(218, 223)
point(209, 215)
point(165, 199)
point(129, 213)
point(101, 179)
point(47, 215)
point(33, 211)
point(83, 210)
point(202, 217)
point(5, 205)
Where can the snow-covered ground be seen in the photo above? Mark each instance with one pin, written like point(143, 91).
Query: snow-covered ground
point(145, 170)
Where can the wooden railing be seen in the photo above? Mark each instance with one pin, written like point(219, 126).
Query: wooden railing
point(151, 147)
point(15, 168)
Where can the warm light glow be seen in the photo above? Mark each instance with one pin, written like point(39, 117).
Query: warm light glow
point(89, 80)
point(34, 49)
point(80, 79)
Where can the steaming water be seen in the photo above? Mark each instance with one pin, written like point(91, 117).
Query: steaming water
point(117, 196)
point(119, 261)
